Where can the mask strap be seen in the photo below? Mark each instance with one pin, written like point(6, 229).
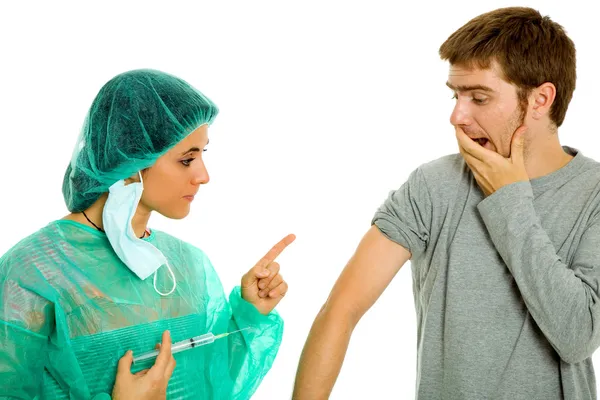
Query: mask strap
point(142, 182)
point(174, 282)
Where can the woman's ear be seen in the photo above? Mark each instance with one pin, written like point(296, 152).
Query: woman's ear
point(143, 173)
point(135, 177)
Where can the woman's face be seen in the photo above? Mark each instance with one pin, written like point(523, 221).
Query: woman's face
point(172, 182)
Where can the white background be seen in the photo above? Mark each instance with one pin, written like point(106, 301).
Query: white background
point(324, 109)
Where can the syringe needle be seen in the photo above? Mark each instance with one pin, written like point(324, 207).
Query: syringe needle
point(222, 335)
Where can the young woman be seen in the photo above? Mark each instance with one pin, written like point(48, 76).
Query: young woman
point(86, 289)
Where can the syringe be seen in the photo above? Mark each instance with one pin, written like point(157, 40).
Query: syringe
point(186, 344)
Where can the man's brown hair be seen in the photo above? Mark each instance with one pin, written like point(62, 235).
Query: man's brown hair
point(530, 50)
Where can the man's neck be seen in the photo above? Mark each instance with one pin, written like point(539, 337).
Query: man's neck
point(545, 155)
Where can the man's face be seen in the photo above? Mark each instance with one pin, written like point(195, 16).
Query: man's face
point(487, 107)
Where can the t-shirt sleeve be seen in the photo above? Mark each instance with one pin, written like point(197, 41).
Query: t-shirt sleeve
point(562, 296)
point(405, 216)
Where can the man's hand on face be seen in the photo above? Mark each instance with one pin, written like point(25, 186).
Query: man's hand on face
point(491, 170)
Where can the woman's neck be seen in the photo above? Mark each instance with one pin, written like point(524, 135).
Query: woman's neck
point(94, 213)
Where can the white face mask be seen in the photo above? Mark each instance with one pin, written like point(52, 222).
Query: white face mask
point(141, 257)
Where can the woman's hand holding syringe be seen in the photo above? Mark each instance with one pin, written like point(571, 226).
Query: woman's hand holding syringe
point(149, 384)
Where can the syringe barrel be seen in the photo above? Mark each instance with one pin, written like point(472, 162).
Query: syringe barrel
point(177, 347)
point(145, 356)
point(190, 343)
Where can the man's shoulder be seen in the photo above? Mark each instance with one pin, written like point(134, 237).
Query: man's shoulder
point(443, 169)
point(587, 164)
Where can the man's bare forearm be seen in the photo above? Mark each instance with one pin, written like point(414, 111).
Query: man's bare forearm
point(352, 295)
point(322, 356)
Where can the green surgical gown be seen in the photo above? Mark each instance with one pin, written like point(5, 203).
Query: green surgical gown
point(70, 309)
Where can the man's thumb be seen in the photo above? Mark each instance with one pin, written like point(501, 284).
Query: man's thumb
point(518, 144)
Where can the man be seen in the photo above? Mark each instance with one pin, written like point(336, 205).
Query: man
point(503, 238)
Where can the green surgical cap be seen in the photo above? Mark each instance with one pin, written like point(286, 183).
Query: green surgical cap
point(135, 118)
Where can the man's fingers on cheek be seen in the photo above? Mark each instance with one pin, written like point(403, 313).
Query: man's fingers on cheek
point(472, 161)
point(468, 161)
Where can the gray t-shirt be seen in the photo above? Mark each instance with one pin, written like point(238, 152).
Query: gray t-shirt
point(506, 288)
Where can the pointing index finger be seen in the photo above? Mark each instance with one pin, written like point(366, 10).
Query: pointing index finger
point(276, 251)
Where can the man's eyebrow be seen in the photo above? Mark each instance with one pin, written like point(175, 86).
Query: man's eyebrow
point(192, 149)
point(468, 88)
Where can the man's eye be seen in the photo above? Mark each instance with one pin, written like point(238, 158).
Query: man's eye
point(478, 101)
point(454, 96)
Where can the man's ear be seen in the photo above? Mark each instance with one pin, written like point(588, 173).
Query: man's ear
point(543, 98)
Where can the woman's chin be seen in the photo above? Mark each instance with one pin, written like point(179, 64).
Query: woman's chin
point(179, 213)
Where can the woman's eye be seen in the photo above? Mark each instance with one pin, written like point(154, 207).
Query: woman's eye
point(187, 162)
